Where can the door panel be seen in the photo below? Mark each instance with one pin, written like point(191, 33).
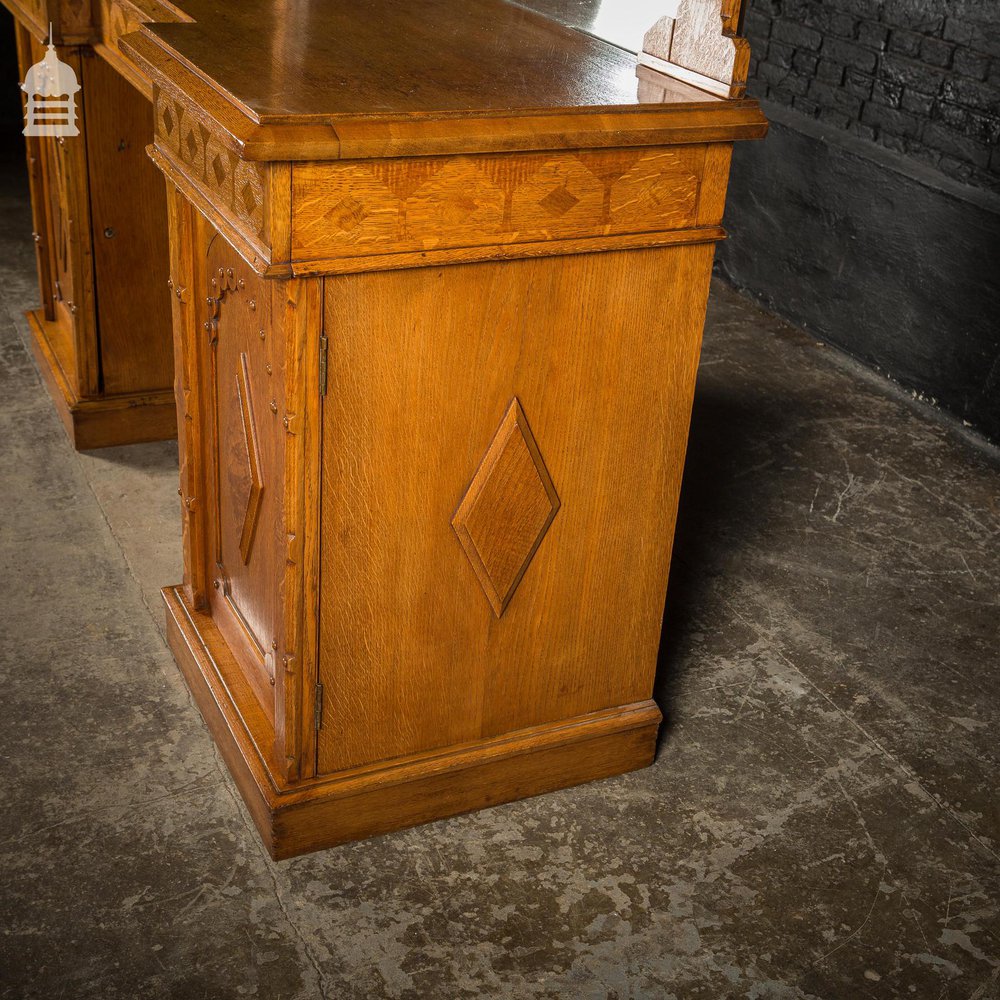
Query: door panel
point(129, 227)
point(246, 544)
point(502, 456)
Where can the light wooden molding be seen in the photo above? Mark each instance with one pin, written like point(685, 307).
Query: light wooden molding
point(701, 46)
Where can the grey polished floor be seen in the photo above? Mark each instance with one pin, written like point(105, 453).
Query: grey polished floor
point(822, 819)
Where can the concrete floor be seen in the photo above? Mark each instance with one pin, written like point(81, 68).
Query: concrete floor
point(822, 820)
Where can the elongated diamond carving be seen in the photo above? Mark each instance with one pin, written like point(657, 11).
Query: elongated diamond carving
point(219, 169)
point(507, 509)
point(254, 483)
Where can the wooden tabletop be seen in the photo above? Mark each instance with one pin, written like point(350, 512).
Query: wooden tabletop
point(621, 22)
point(301, 61)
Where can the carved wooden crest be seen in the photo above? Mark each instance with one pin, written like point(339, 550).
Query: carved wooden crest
point(701, 46)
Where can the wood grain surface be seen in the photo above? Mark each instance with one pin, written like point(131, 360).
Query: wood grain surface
point(247, 398)
point(492, 83)
point(364, 802)
point(601, 351)
point(125, 418)
point(472, 56)
point(394, 206)
point(509, 506)
point(702, 46)
point(128, 217)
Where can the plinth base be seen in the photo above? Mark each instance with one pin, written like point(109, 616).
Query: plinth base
point(126, 418)
point(389, 795)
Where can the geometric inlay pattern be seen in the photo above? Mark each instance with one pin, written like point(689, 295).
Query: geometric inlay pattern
point(249, 198)
point(219, 168)
point(473, 201)
point(239, 185)
point(507, 509)
point(255, 486)
point(347, 214)
point(559, 201)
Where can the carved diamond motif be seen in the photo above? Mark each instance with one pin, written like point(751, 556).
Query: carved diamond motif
point(192, 144)
point(168, 121)
point(507, 509)
point(218, 168)
point(249, 198)
point(255, 484)
point(559, 201)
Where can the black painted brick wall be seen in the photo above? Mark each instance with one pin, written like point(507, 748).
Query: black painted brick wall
point(921, 77)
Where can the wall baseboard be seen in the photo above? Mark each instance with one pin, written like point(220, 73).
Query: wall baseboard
point(880, 256)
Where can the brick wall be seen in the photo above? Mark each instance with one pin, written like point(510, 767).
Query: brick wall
point(921, 77)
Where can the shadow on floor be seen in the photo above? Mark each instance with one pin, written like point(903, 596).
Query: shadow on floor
point(718, 498)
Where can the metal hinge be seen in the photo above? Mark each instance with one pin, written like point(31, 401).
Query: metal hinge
point(323, 353)
point(318, 709)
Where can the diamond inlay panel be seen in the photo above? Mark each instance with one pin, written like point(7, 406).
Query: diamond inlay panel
point(507, 510)
point(559, 201)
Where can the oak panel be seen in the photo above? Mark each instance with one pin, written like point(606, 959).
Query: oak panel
point(425, 566)
point(129, 418)
point(103, 334)
point(246, 380)
point(395, 206)
point(247, 201)
point(511, 502)
point(702, 46)
point(601, 352)
point(129, 235)
point(26, 53)
point(70, 21)
point(121, 17)
point(243, 374)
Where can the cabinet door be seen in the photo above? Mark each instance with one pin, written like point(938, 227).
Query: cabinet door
point(129, 225)
point(244, 396)
point(502, 456)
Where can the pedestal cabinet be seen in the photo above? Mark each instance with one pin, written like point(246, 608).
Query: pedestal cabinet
point(438, 276)
point(102, 332)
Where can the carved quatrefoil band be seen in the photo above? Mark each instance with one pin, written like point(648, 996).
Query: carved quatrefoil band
point(507, 509)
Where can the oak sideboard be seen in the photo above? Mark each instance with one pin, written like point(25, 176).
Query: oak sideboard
point(437, 279)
